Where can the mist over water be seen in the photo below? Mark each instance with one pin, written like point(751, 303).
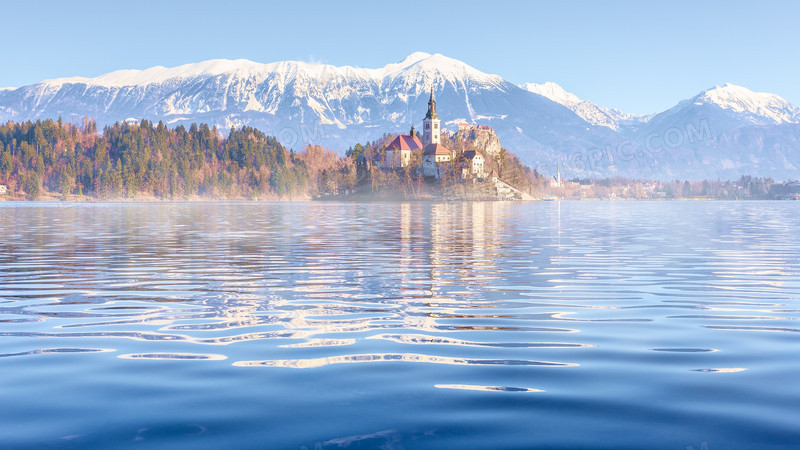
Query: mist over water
point(400, 325)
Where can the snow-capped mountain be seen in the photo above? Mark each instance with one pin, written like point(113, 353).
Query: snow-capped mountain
point(726, 107)
point(222, 90)
point(305, 103)
point(760, 108)
point(588, 111)
point(722, 132)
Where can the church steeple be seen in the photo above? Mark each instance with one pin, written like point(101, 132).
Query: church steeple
point(430, 125)
point(431, 108)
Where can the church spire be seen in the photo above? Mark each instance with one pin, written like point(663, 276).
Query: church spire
point(430, 124)
point(431, 108)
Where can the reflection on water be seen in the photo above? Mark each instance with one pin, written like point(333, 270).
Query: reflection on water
point(263, 273)
point(472, 387)
point(600, 304)
point(406, 357)
point(43, 351)
point(176, 356)
point(723, 370)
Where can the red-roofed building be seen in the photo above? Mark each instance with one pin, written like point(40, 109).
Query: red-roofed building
point(464, 127)
point(405, 142)
point(435, 153)
point(432, 157)
point(439, 151)
point(398, 152)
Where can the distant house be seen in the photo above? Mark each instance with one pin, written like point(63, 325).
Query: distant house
point(465, 127)
point(474, 162)
point(3, 189)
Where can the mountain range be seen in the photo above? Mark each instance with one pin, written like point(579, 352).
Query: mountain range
point(723, 132)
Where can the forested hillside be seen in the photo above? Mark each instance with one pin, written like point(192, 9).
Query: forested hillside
point(153, 161)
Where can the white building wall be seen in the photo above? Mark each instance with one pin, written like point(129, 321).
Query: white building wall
point(429, 166)
point(431, 132)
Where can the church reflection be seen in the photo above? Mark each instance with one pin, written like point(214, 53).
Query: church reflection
point(401, 273)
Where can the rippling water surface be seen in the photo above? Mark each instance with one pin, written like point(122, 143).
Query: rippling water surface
point(474, 325)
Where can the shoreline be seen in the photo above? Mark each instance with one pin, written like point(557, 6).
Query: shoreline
point(363, 199)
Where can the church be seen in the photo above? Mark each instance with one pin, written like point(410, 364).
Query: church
point(399, 151)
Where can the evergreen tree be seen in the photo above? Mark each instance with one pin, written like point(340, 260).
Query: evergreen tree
point(31, 185)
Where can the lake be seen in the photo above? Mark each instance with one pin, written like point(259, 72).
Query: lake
point(584, 324)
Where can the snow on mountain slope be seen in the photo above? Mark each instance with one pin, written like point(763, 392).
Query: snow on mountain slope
point(417, 65)
point(336, 106)
point(439, 68)
point(724, 108)
point(554, 92)
point(596, 115)
point(759, 107)
point(274, 96)
point(237, 86)
point(161, 74)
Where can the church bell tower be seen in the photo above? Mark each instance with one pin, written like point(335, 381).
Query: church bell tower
point(431, 130)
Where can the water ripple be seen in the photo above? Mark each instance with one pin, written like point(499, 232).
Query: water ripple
point(743, 328)
point(440, 340)
point(44, 351)
point(176, 356)
point(685, 350)
point(395, 357)
point(633, 306)
point(474, 387)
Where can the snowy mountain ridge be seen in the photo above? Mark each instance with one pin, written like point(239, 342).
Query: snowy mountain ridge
point(588, 111)
point(759, 107)
point(554, 92)
point(419, 64)
point(336, 106)
point(223, 90)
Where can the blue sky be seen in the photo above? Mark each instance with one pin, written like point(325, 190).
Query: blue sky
point(640, 57)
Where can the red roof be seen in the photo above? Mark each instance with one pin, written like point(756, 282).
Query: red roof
point(405, 142)
point(437, 149)
point(464, 125)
